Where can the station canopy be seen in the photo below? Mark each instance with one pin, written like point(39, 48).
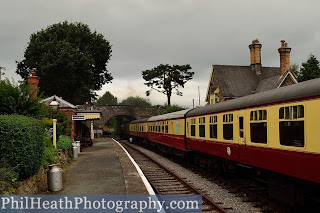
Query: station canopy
point(88, 114)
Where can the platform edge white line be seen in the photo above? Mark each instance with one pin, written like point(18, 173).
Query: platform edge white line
point(142, 176)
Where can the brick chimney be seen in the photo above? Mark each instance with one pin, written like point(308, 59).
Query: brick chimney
point(255, 56)
point(33, 81)
point(284, 51)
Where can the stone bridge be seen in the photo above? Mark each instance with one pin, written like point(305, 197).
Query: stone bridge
point(110, 111)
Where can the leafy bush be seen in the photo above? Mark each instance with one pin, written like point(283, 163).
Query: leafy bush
point(48, 125)
point(136, 101)
point(8, 178)
point(64, 143)
point(15, 99)
point(172, 108)
point(50, 154)
point(46, 116)
point(22, 143)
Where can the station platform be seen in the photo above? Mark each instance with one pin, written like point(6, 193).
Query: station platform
point(104, 168)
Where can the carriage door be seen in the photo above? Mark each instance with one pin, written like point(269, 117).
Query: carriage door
point(242, 136)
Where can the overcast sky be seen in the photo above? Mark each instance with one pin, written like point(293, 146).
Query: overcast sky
point(146, 33)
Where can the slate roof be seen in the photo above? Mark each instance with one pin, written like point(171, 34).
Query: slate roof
point(306, 89)
point(238, 81)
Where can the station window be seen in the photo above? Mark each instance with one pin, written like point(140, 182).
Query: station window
point(202, 127)
point(291, 126)
point(213, 127)
point(193, 127)
point(228, 126)
point(258, 126)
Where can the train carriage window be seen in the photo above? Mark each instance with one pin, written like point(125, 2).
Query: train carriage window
point(241, 133)
point(178, 127)
point(213, 127)
point(166, 127)
point(193, 127)
point(202, 128)
point(291, 126)
point(228, 126)
point(188, 128)
point(258, 126)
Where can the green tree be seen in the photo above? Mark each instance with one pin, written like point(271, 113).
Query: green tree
point(310, 69)
point(15, 99)
point(295, 70)
point(172, 108)
point(136, 101)
point(165, 78)
point(107, 99)
point(69, 59)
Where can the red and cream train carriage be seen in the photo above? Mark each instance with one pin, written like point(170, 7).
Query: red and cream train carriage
point(168, 129)
point(138, 129)
point(276, 131)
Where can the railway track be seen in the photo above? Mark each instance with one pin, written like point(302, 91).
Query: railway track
point(166, 182)
point(169, 183)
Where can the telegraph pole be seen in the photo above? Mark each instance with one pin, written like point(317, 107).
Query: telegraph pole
point(199, 94)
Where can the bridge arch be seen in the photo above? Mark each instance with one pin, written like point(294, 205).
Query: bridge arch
point(110, 111)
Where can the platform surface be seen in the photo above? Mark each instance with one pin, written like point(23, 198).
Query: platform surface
point(103, 168)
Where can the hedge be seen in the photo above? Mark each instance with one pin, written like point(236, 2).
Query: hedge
point(21, 143)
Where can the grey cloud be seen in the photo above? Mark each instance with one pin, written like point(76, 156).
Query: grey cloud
point(145, 33)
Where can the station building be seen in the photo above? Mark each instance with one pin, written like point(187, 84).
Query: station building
point(231, 81)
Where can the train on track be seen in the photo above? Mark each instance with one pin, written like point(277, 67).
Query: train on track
point(276, 133)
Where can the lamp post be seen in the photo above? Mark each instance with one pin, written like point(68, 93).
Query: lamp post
point(54, 109)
